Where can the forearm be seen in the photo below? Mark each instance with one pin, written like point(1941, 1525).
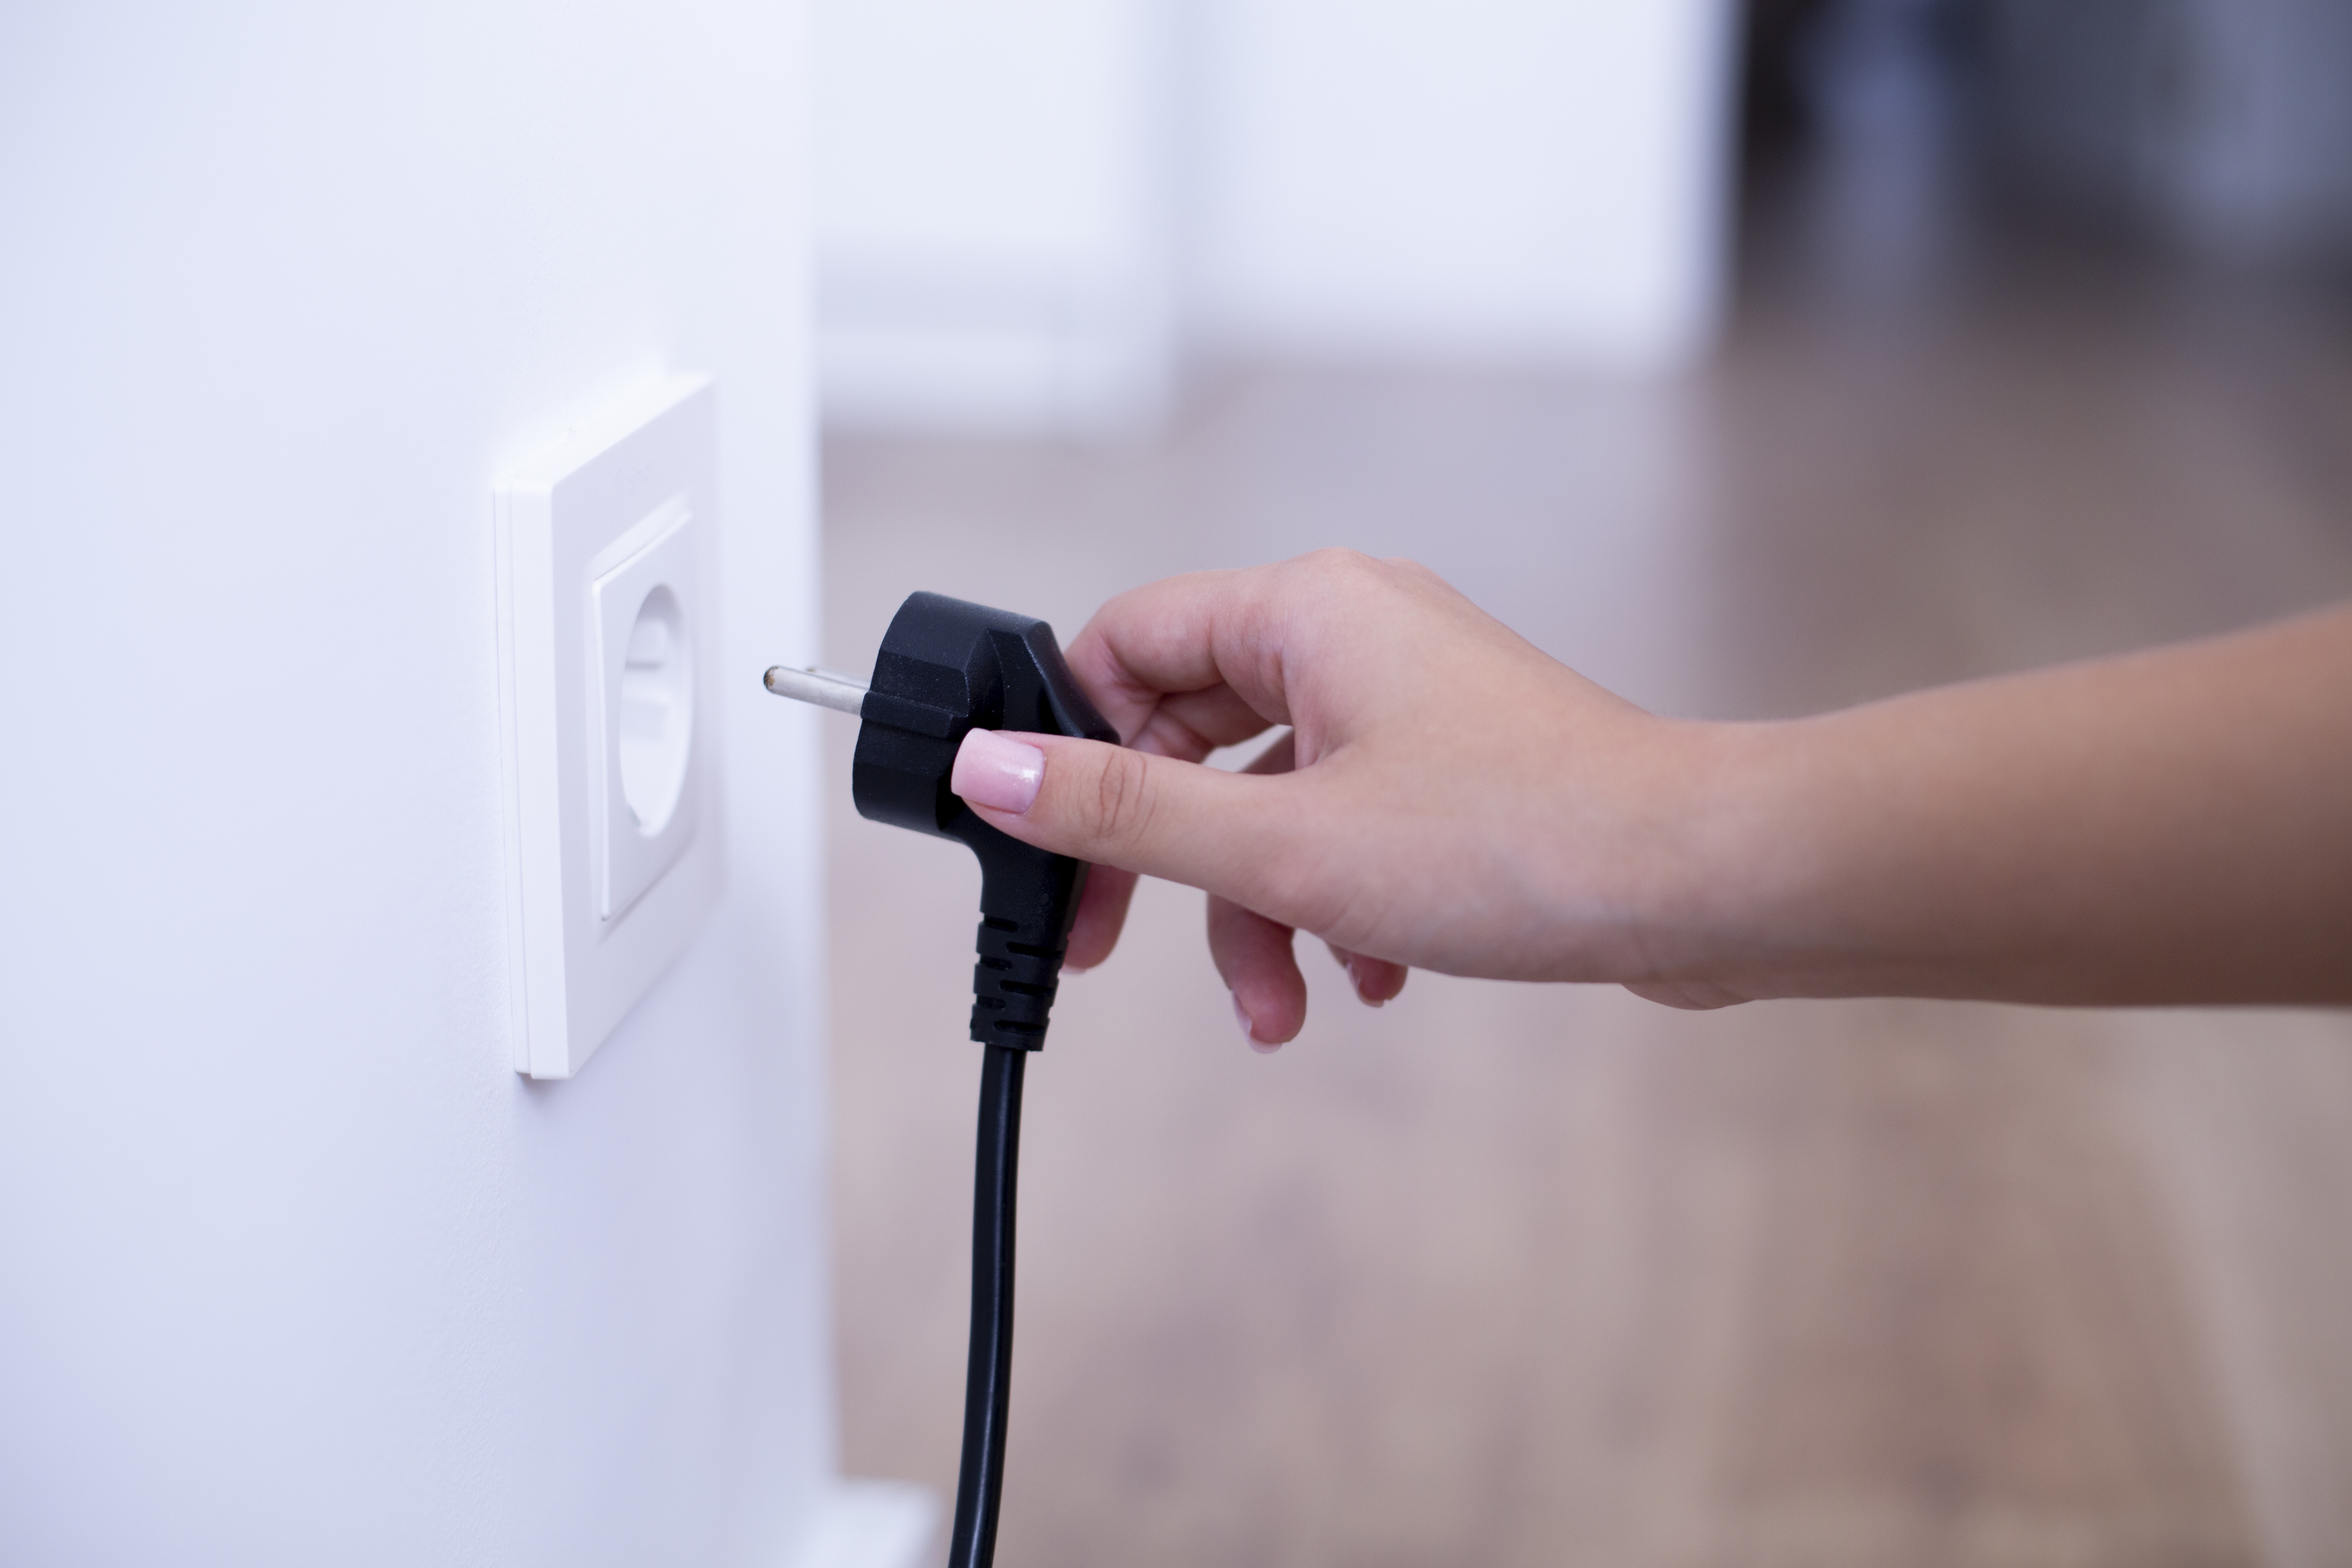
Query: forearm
point(2173, 826)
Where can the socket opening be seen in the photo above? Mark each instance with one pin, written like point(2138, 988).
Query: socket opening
point(657, 712)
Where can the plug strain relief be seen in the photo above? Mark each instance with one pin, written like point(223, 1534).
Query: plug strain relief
point(1013, 984)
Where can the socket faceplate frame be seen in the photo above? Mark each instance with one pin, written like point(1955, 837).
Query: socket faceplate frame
point(637, 484)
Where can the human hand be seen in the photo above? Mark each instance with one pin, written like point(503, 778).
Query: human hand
point(2161, 827)
point(1448, 797)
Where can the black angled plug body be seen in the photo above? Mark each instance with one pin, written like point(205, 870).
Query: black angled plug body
point(946, 667)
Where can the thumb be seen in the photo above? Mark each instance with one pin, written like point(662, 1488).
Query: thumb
point(1231, 834)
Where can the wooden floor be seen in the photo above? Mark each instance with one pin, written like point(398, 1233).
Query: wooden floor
point(1547, 1276)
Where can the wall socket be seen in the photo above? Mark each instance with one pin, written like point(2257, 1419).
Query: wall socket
point(608, 645)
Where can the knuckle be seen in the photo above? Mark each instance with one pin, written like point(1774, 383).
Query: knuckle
point(1338, 570)
point(1332, 575)
point(1339, 561)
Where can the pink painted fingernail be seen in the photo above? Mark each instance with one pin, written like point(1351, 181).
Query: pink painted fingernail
point(1249, 1031)
point(995, 770)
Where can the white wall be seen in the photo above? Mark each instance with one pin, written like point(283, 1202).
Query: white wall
point(1033, 210)
point(1535, 179)
point(297, 1269)
point(994, 211)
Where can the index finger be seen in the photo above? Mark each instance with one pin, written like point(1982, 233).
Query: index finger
point(1182, 635)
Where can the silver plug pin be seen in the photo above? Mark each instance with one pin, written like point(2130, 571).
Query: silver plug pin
point(825, 688)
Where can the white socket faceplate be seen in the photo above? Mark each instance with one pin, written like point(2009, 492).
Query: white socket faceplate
point(607, 643)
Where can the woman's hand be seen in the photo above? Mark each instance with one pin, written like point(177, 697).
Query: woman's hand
point(2172, 826)
point(1447, 795)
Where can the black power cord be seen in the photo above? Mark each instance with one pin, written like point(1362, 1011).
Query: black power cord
point(946, 668)
point(988, 1374)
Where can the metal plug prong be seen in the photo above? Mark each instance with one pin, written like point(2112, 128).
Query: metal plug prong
point(823, 688)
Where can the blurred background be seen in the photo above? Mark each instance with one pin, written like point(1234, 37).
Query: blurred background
point(1754, 360)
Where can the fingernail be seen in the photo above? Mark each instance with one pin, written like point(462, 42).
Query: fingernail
point(991, 769)
point(1249, 1031)
point(1356, 979)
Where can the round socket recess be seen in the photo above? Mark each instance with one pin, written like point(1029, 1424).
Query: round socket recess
point(642, 745)
point(656, 718)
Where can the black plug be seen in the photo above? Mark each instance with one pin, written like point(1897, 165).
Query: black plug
point(946, 667)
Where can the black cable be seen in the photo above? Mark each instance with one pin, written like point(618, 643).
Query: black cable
point(988, 1374)
point(946, 668)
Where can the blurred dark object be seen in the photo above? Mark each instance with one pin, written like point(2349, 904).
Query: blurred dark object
point(2222, 127)
point(1775, 98)
point(2225, 124)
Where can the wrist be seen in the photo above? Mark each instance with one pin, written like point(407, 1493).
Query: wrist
point(1713, 925)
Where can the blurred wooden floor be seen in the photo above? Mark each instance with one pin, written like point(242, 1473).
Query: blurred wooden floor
point(1546, 1276)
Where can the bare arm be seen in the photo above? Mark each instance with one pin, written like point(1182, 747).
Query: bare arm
point(2172, 826)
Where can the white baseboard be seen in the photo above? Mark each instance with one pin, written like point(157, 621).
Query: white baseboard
point(873, 1524)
